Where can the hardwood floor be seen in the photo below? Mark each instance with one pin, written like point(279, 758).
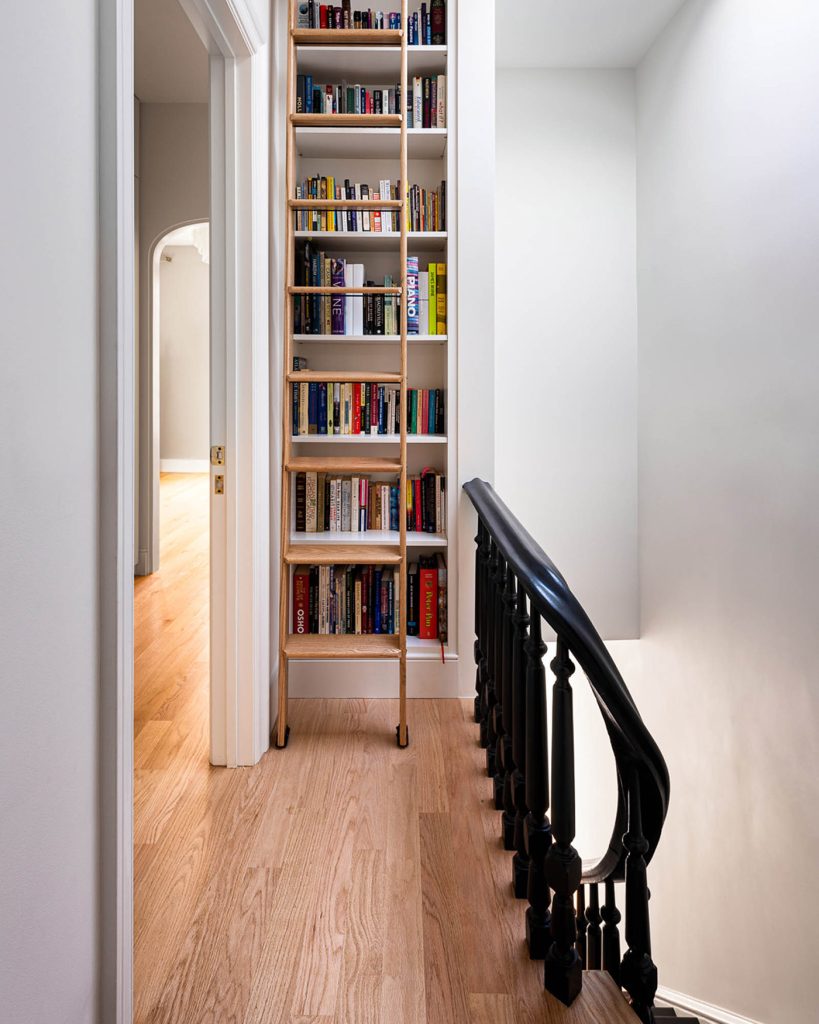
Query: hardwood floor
point(342, 881)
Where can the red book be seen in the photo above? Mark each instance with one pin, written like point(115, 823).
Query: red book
point(323, 23)
point(301, 599)
point(423, 426)
point(356, 408)
point(428, 604)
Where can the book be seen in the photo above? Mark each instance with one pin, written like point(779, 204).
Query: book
point(443, 633)
point(437, 17)
point(412, 295)
point(350, 408)
point(440, 272)
point(301, 599)
point(427, 600)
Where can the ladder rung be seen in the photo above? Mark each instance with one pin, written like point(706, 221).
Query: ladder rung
point(345, 120)
point(343, 554)
point(342, 464)
point(310, 289)
point(344, 376)
point(346, 204)
point(311, 645)
point(347, 36)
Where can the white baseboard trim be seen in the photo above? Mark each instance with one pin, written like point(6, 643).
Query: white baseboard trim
point(184, 466)
point(370, 679)
point(707, 1012)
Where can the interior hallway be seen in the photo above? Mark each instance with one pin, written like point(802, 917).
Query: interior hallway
point(341, 880)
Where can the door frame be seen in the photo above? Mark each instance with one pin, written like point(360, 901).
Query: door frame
point(239, 60)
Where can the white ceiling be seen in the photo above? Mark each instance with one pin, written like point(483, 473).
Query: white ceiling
point(578, 33)
point(170, 60)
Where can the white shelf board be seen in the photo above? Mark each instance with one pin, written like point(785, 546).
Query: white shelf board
point(382, 64)
point(367, 439)
point(376, 241)
point(370, 143)
point(414, 539)
point(369, 339)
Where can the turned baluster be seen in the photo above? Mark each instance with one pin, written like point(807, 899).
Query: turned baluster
point(478, 617)
point(563, 972)
point(593, 919)
point(496, 666)
point(582, 924)
point(520, 862)
point(538, 829)
point(504, 766)
point(611, 936)
point(488, 739)
point(638, 974)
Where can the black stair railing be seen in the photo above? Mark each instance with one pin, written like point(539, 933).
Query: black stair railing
point(517, 588)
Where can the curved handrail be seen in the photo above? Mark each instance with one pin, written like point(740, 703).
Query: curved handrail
point(632, 744)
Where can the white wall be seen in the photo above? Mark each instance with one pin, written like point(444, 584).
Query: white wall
point(728, 243)
point(566, 327)
point(174, 189)
point(184, 346)
point(49, 680)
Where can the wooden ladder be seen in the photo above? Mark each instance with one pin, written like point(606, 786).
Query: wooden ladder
point(293, 646)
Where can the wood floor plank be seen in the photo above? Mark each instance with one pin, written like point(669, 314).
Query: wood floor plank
point(340, 881)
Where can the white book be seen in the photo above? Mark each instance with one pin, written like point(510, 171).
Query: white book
point(440, 113)
point(345, 505)
point(417, 103)
point(358, 300)
point(348, 302)
point(355, 486)
point(423, 302)
point(336, 404)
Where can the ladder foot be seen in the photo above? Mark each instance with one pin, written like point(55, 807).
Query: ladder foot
point(281, 746)
point(398, 737)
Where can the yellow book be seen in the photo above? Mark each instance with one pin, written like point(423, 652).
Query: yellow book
point(433, 298)
point(440, 305)
point(331, 194)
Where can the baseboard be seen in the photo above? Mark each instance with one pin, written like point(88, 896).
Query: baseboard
point(184, 466)
point(706, 1012)
point(359, 679)
point(141, 567)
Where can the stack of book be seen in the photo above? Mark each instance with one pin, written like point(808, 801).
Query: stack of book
point(312, 14)
point(345, 599)
point(349, 220)
point(427, 26)
point(426, 102)
point(427, 208)
point(359, 504)
point(426, 298)
point(341, 98)
point(345, 408)
point(341, 314)
point(427, 598)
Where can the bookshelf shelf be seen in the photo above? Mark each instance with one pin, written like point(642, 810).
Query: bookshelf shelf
point(367, 439)
point(369, 339)
point(374, 241)
point(340, 646)
point(367, 143)
point(365, 149)
point(414, 539)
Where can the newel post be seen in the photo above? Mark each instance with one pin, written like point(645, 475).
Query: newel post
point(563, 971)
point(638, 974)
point(538, 829)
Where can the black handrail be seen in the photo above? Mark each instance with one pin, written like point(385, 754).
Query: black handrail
point(642, 775)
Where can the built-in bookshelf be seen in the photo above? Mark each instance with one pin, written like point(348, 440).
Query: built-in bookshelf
point(354, 150)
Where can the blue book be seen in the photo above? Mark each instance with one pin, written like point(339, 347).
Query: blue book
point(322, 408)
point(295, 404)
point(412, 295)
point(312, 408)
point(308, 94)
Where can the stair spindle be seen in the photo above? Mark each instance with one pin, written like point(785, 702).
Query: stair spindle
point(495, 711)
point(538, 829)
point(478, 654)
point(593, 935)
point(506, 716)
point(638, 973)
point(582, 924)
point(563, 972)
point(611, 935)
point(488, 739)
point(520, 862)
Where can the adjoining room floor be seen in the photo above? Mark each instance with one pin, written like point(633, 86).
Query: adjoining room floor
point(341, 881)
